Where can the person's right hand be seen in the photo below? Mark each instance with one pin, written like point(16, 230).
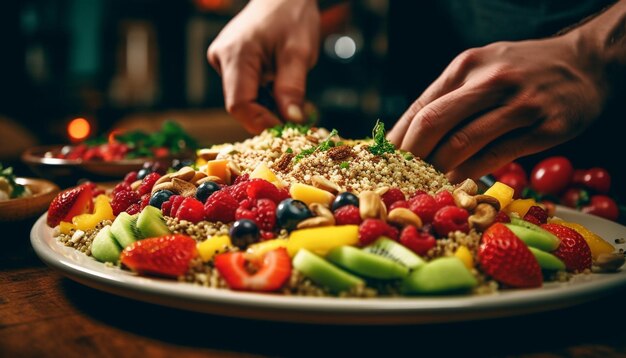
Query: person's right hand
point(268, 40)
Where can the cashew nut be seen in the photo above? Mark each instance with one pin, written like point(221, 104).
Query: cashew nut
point(320, 182)
point(609, 262)
point(469, 186)
point(316, 221)
point(184, 173)
point(487, 199)
point(382, 190)
point(371, 206)
point(483, 217)
point(463, 200)
point(404, 217)
point(321, 210)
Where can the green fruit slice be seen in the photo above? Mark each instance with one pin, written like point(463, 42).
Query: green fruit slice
point(323, 272)
point(547, 261)
point(394, 251)
point(366, 264)
point(124, 229)
point(104, 248)
point(533, 235)
point(151, 223)
point(442, 275)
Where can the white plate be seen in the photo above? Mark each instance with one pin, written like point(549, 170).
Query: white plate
point(86, 270)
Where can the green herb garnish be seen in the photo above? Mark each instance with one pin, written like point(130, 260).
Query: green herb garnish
point(277, 131)
point(171, 136)
point(17, 190)
point(289, 151)
point(322, 147)
point(408, 156)
point(381, 144)
point(344, 165)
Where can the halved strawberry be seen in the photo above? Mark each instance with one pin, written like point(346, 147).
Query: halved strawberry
point(573, 250)
point(273, 270)
point(69, 203)
point(168, 255)
point(507, 259)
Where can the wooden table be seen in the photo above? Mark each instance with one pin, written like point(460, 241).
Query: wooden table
point(43, 314)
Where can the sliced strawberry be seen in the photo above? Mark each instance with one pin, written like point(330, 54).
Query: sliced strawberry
point(506, 258)
point(573, 249)
point(272, 273)
point(167, 256)
point(69, 203)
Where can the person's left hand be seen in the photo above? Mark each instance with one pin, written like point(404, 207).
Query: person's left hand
point(499, 102)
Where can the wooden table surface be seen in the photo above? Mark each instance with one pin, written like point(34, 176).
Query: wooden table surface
point(43, 314)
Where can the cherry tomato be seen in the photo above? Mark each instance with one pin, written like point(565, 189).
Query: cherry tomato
point(602, 205)
point(597, 179)
point(551, 175)
point(516, 181)
point(574, 197)
point(577, 177)
point(512, 167)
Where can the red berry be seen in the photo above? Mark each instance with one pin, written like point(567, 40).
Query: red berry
point(602, 205)
point(392, 195)
point(262, 189)
point(123, 186)
point(399, 204)
point(133, 209)
point(502, 217)
point(269, 274)
point(241, 178)
point(220, 206)
point(238, 191)
point(347, 215)
point(176, 200)
point(419, 242)
point(573, 249)
point(145, 200)
point(147, 183)
point(538, 213)
point(68, 204)
point(444, 198)
point(262, 212)
point(130, 177)
point(449, 219)
point(267, 235)
point(166, 208)
point(424, 206)
point(507, 259)
point(164, 256)
point(417, 193)
point(122, 200)
point(371, 229)
point(191, 210)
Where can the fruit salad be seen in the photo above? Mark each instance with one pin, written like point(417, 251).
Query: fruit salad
point(301, 211)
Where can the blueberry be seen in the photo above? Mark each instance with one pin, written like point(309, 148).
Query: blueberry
point(343, 199)
point(290, 212)
point(206, 189)
point(244, 232)
point(161, 196)
point(143, 172)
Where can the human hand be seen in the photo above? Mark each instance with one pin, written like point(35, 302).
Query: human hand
point(268, 40)
point(496, 103)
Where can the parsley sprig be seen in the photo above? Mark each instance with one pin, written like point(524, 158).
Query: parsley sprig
point(381, 144)
point(322, 147)
point(17, 189)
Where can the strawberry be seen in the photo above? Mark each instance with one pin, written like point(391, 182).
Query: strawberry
point(270, 274)
point(262, 189)
point(419, 242)
point(392, 195)
point(573, 249)
point(347, 215)
point(371, 229)
point(95, 189)
point(262, 212)
point(122, 200)
point(424, 206)
point(68, 204)
point(449, 219)
point(507, 259)
point(444, 198)
point(191, 210)
point(220, 206)
point(538, 213)
point(168, 255)
point(399, 204)
point(147, 183)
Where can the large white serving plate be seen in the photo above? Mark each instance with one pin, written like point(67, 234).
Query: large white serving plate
point(406, 310)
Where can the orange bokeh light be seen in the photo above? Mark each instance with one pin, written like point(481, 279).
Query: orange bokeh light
point(78, 129)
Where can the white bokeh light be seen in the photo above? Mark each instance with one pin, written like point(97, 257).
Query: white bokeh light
point(345, 47)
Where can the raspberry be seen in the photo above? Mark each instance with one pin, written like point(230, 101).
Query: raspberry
point(531, 219)
point(392, 195)
point(121, 187)
point(191, 210)
point(238, 191)
point(419, 242)
point(267, 235)
point(244, 211)
point(538, 213)
point(449, 219)
point(220, 206)
point(444, 198)
point(399, 204)
point(166, 208)
point(241, 178)
point(283, 193)
point(147, 183)
point(347, 215)
point(262, 189)
point(145, 200)
point(371, 229)
point(122, 200)
point(95, 190)
point(133, 209)
point(176, 200)
point(502, 217)
point(262, 212)
point(130, 177)
point(424, 206)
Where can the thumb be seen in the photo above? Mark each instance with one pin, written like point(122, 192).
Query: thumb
point(290, 84)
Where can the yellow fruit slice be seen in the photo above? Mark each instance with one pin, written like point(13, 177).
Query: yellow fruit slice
point(502, 192)
point(102, 211)
point(65, 227)
point(263, 172)
point(320, 240)
point(596, 243)
point(218, 168)
point(520, 206)
point(464, 254)
point(261, 248)
point(212, 246)
point(310, 194)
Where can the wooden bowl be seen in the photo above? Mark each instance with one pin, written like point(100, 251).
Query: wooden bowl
point(23, 208)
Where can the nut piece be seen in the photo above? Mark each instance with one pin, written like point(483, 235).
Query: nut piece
point(469, 186)
point(198, 176)
point(340, 152)
point(284, 162)
point(483, 217)
point(463, 200)
point(135, 184)
point(316, 221)
point(184, 173)
point(234, 168)
point(371, 206)
point(609, 262)
point(183, 188)
point(404, 217)
point(320, 210)
point(208, 154)
point(212, 178)
point(164, 179)
point(320, 182)
point(381, 190)
point(487, 199)
point(163, 186)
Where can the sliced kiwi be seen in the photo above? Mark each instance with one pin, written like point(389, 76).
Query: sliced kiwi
point(124, 229)
point(366, 264)
point(151, 222)
point(323, 272)
point(442, 275)
point(104, 247)
point(547, 261)
point(533, 235)
point(394, 251)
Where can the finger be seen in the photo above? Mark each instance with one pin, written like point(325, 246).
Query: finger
point(478, 133)
point(240, 79)
point(290, 84)
point(436, 119)
point(214, 60)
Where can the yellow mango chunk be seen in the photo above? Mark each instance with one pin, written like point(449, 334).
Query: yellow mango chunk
point(263, 172)
point(502, 192)
point(218, 168)
point(464, 254)
point(520, 206)
point(310, 194)
point(65, 227)
point(596, 243)
point(102, 211)
point(261, 248)
point(212, 246)
point(320, 240)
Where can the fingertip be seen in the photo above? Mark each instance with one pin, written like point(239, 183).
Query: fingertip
point(294, 113)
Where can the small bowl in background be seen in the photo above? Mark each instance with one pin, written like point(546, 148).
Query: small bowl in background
point(43, 191)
